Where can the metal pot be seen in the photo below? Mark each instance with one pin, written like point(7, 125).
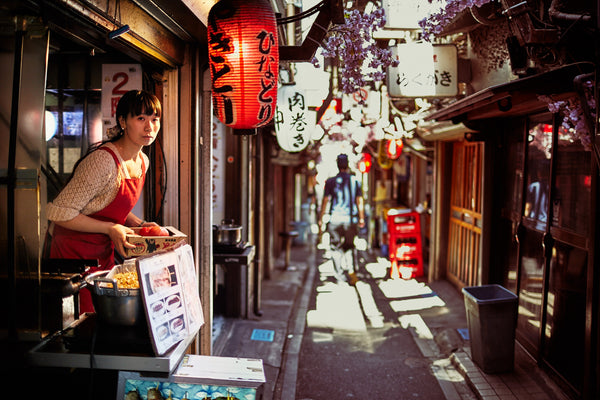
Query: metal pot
point(115, 306)
point(227, 233)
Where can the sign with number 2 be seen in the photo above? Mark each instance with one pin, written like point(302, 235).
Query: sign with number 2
point(117, 79)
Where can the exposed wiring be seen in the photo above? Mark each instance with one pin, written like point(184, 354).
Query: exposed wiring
point(304, 14)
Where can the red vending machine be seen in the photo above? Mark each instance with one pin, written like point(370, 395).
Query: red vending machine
point(406, 250)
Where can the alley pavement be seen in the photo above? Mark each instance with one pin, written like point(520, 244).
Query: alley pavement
point(439, 331)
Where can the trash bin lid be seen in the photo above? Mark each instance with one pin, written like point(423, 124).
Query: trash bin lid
point(489, 294)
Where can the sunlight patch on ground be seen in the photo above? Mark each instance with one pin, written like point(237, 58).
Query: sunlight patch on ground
point(360, 243)
point(337, 308)
point(445, 372)
point(369, 306)
point(416, 323)
point(326, 269)
point(400, 288)
point(416, 304)
point(321, 337)
point(378, 270)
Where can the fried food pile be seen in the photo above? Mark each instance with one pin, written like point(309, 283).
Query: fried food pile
point(127, 280)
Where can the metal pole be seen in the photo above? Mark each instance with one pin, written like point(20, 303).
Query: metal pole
point(20, 25)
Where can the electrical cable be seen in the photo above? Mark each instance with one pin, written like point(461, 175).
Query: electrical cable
point(304, 14)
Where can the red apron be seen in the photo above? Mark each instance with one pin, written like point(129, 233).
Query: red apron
point(67, 243)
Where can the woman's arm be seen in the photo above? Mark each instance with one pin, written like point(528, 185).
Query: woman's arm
point(93, 186)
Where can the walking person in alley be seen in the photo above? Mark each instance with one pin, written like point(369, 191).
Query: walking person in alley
point(91, 217)
point(342, 197)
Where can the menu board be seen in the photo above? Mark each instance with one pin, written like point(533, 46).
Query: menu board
point(170, 293)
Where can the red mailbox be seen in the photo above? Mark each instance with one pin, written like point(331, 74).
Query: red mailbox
point(405, 247)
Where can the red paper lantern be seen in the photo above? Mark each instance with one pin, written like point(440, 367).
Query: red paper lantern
point(364, 165)
point(394, 148)
point(243, 53)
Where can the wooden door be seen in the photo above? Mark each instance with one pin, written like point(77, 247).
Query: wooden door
point(464, 239)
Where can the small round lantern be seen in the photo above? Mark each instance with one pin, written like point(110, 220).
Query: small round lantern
point(394, 148)
point(364, 165)
point(294, 122)
point(243, 54)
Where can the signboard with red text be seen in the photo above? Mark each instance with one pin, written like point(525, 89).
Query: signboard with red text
point(117, 79)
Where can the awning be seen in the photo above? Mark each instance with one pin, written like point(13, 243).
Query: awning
point(515, 98)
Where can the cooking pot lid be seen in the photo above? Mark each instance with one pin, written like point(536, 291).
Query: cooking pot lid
point(227, 225)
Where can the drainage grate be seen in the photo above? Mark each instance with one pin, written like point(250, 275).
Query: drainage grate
point(263, 335)
point(464, 333)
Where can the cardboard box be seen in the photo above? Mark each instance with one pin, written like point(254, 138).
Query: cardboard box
point(145, 245)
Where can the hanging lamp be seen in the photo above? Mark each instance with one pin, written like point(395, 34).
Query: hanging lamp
point(243, 54)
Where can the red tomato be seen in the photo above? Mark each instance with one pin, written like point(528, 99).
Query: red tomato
point(158, 231)
point(145, 231)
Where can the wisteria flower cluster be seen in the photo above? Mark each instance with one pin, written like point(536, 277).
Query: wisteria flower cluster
point(361, 60)
point(573, 116)
point(436, 21)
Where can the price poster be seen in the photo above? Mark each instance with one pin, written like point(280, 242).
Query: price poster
point(171, 299)
point(117, 79)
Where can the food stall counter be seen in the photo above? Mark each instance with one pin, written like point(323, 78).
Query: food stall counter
point(83, 345)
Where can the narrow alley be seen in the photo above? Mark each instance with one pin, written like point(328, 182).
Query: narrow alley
point(382, 338)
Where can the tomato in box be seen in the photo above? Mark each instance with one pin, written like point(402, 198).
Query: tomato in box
point(147, 243)
point(153, 230)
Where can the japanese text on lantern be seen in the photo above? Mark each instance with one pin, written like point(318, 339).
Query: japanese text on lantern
point(268, 77)
point(219, 46)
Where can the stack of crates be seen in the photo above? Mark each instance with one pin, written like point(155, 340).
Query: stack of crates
point(405, 248)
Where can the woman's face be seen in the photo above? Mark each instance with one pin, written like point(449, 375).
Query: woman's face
point(141, 129)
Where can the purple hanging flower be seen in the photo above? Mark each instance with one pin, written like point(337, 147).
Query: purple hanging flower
point(361, 60)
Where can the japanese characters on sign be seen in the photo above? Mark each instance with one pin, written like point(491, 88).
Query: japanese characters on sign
point(117, 79)
point(294, 122)
point(425, 70)
point(244, 62)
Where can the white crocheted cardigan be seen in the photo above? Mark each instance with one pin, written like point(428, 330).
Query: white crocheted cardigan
point(94, 185)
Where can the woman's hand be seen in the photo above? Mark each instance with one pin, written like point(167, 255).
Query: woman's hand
point(118, 234)
point(145, 223)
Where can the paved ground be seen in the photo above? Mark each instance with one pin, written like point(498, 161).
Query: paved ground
point(436, 332)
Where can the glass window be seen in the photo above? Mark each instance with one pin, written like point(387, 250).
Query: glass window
point(72, 123)
point(572, 186)
point(539, 153)
point(565, 313)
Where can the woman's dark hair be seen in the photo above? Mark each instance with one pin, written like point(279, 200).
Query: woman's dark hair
point(134, 102)
point(137, 102)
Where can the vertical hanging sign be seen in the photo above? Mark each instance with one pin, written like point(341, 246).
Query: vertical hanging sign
point(243, 53)
point(117, 79)
point(294, 122)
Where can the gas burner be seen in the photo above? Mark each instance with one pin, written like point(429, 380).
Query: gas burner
point(230, 248)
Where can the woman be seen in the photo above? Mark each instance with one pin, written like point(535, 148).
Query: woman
point(92, 215)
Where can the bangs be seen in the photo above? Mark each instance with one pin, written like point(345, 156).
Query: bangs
point(146, 104)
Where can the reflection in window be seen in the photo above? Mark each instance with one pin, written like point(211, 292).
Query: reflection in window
point(539, 153)
point(572, 185)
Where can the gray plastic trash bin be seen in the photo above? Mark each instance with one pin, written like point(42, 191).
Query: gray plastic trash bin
point(491, 317)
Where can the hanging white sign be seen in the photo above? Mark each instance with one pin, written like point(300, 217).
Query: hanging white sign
point(294, 122)
point(424, 70)
point(405, 14)
point(117, 79)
